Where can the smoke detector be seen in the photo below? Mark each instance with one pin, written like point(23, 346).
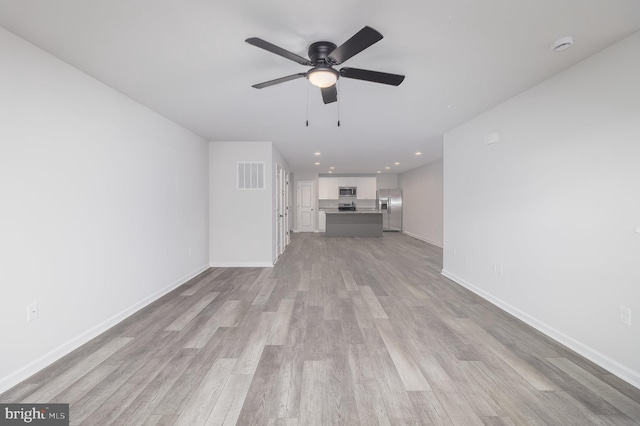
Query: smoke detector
point(562, 44)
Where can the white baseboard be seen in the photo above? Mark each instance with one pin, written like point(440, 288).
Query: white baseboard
point(625, 373)
point(50, 357)
point(418, 237)
point(241, 265)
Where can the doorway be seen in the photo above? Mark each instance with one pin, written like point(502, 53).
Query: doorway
point(306, 203)
point(282, 207)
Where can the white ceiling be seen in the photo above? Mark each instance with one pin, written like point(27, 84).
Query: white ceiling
point(188, 61)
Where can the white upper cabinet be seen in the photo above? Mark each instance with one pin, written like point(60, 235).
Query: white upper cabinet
point(346, 181)
point(351, 181)
point(328, 188)
point(367, 187)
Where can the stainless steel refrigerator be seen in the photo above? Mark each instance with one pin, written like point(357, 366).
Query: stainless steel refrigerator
point(390, 204)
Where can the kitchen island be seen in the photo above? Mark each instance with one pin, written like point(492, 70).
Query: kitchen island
point(360, 223)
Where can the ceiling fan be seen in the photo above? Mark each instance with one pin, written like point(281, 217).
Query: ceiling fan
point(323, 55)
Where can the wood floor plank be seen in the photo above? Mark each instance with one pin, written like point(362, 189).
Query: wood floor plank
point(349, 282)
point(203, 399)
point(312, 395)
point(58, 384)
point(408, 370)
point(257, 408)
point(203, 282)
point(622, 402)
point(372, 302)
point(369, 400)
point(458, 409)
point(191, 313)
point(280, 328)
point(286, 403)
point(250, 356)
point(229, 403)
point(134, 410)
point(344, 331)
point(360, 308)
point(226, 316)
point(86, 383)
point(429, 408)
point(474, 334)
point(305, 281)
point(392, 388)
point(265, 292)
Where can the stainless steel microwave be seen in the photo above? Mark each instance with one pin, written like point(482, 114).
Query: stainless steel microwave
point(347, 191)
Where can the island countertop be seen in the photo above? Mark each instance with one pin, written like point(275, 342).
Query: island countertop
point(359, 223)
point(336, 211)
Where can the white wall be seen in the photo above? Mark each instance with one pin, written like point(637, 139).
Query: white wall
point(103, 207)
point(387, 181)
point(556, 202)
point(241, 223)
point(422, 202)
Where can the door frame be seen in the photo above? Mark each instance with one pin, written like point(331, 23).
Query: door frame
point(312, 183)
point(281, 216)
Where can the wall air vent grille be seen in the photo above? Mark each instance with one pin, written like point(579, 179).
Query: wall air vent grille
point(250, 175)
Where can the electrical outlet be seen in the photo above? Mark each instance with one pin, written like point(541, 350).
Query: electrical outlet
point(32, 311)
point(500, 269)
point(625, 315)
point(189, 251)
point(455, 252)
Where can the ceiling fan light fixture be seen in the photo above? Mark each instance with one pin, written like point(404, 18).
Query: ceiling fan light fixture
point(322, 77)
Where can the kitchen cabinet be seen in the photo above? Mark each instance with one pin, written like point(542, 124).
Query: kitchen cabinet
point(322, 221)
point(367, 187)
point(328, 188)
point(346, 181)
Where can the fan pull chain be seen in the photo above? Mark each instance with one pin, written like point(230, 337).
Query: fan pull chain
point(307, 86)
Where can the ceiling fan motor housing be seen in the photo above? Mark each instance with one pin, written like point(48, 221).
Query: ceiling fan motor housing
point(323, 56)
point(320, 51)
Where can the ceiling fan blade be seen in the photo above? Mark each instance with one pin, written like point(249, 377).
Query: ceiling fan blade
point(278, 80)
point(373, 76)
point(258, 42)
point(329, 94)
point(356, 44)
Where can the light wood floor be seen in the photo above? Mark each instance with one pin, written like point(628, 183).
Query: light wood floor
point(341, 331)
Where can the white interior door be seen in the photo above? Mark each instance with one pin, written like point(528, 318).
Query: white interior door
point(306, 204)
point(279, 211)
point(287, 209)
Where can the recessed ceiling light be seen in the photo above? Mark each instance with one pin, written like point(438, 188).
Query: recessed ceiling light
point(332, 168)
point(330, 171)
point(387, 168)
point(316, 153)
point(418, 153)
point(317, 164)
point(378, 171)
point(396, 163)
point(562, 44)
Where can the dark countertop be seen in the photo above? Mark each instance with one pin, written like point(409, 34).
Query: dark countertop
point(363, 211)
